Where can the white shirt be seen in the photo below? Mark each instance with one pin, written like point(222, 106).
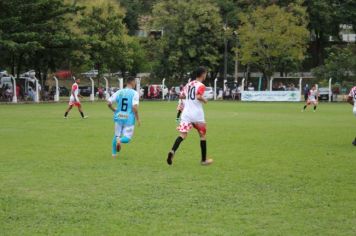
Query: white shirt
point(193, 109)
point(313, 94)
point(75, 91)
point(353, 95)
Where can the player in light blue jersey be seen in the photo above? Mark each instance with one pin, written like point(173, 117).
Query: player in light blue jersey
point(125, 115)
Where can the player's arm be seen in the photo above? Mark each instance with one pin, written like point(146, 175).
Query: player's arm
point(200, 94)
point(350, 100)
point(111, 107)
point(111, 100)
point(137, 117)
point(135, 102)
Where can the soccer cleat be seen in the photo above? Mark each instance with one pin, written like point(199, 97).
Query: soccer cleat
point(354, 142)
point(85, 117)
point(207, 162)
point(118, 145)
point(66, 117)
point(170, 158)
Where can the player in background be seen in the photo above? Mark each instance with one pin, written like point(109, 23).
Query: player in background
point(352, 100)
point(193, 116)
point(74, 100)
point(313, 98)
point(125, 114)
point(180, 106)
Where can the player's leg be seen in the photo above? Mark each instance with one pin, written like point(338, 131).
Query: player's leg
point(127, 134)
point(306, 105)
point(80, 109)
point(183, 128)
point(116, 145)
point(315, 105)
point(201, 128)
point(68, 110)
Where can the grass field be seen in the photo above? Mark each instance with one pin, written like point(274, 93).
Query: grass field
point(277, 171)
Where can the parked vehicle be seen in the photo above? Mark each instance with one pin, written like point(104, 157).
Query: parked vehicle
point(209, 93)
point(86, 90)
point(63, 91)
point(324, 94)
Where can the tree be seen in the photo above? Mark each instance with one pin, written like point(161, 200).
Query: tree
point(192, 33)
point(135, 9)
point(339, 65)
point(326, 16)
point(34, 34)
point(106, 40)
point(273, 36)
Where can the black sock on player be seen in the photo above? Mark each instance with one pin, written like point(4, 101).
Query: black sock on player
point(66, 114)
point(203, 150)
point(177, 143)
point(82, 114)
point(305, 107)
point(314, 108)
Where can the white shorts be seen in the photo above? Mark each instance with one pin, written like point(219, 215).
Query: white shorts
point(312, 101)
point(73, 102)
point(124, 131)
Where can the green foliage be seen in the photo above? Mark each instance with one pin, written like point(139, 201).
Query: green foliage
point(192, 35)
point(104, 35)
point(339, 65)
point(34, 33)
point(134, 10)
point(272, 36)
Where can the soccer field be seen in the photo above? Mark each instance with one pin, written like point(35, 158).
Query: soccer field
point(277, 171)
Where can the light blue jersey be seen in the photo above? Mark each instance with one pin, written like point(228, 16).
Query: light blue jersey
point(125, 99)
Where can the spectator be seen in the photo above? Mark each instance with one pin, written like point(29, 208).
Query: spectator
point(31, 94)
point(101, 93)
point(292, 87)
point(250, 87)
point(18, 91)
point(306, 92)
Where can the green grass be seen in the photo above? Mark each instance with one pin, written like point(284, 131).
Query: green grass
point(277, 171)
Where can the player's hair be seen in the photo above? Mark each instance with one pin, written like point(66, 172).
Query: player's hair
point(130, 79)
point(200, 71)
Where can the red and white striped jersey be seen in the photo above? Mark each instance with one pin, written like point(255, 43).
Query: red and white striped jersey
point(193, 108)
point(75, 89)
point(353, 94)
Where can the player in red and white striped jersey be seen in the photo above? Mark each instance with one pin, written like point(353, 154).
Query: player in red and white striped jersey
point(193, 116)
point(313, 98)
point(352, 100)
point(74, 100)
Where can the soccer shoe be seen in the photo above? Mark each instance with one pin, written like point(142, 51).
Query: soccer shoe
point(354, 142)
point(207, 162)
point(66, 117)
point(118, 145)
point(170, 158)
point(85, 117)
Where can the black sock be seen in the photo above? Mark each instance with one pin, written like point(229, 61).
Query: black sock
point(314, 108)
point(178, 114)
point(66, 114)
point(305, 107)
point(177, 143)
point(82, 114)
point(203, 150)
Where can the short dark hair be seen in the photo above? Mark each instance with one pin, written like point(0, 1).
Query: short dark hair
point(200, 71)
point(130, 79)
